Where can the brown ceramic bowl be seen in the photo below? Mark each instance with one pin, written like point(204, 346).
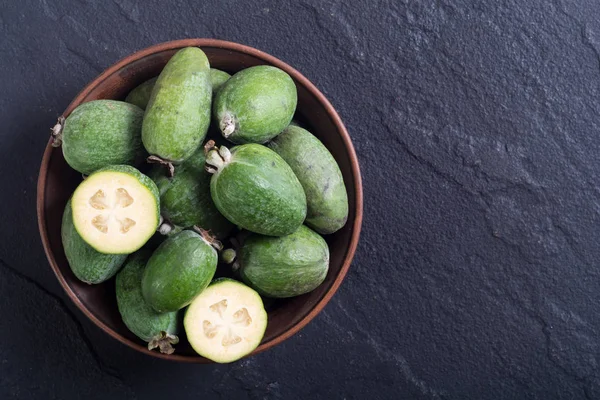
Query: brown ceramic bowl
point(57, 181)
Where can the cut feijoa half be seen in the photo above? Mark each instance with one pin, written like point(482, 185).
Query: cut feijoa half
point(226, 321)
point(116, 209)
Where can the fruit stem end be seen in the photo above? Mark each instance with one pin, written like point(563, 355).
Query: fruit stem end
point(167, 164)
point(165, 227)
point(216, 157)
point(227, 125)
point(164, 341)
point(57, 131)
point(208, 238)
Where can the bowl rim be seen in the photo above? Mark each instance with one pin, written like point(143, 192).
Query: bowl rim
point(297, 76)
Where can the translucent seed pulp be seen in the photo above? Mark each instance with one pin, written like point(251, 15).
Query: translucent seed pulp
point(126, 224)
point(100, 201)
point(219, 307)
point(101, 223)
point(124, 200)
point(239, 318)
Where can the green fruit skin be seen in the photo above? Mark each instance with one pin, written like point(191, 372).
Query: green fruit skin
point(217, 79)
point(87, 264)
point(185, 198)
point(102, 132)
point(284, 266)
point(143, 180)
point(141, 94)
point(320, 176)
point(178, 112)
point(259, 192)
point(138, 316)
point(181, 267)
point(262, 101)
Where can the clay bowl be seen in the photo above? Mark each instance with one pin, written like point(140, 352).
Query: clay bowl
point(57, 181)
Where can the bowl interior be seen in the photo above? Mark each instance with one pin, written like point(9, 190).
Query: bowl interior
point(98, 301)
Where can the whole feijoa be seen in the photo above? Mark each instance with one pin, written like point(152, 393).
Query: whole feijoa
point(178, 112)
point(320, 176)
point(255, 104)
point(217, 79)
point(101, 133)
point(253, 187)
point(88, 265)
point(283, 266)
point(178, 270)
point(158, 329)
point(140, 95)
point(185, 198)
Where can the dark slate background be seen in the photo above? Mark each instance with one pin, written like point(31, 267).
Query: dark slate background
point(477, 127)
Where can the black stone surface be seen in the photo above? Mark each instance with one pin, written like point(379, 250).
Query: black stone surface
point(477, 125)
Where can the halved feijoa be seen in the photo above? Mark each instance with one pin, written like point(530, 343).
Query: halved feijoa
point(226, 321)
point(116, 209)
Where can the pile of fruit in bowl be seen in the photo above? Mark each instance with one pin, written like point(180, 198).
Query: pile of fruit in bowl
point(233, 179)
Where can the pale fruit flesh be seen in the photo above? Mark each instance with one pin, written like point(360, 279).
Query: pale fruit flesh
point(226, 321)
point(114, 213)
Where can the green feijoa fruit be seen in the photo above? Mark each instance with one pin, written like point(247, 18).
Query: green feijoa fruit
point(253, 187)
point(158, 329)
point(181, 267)
point(185, 198)
point(226, 322)
point(141, 94)
point(320, 176)
point(87, 264)
point(116, 209)
point(217, 79)
point(255, 104)
point(100, 133)
point(283, 266)
point(178, 112)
